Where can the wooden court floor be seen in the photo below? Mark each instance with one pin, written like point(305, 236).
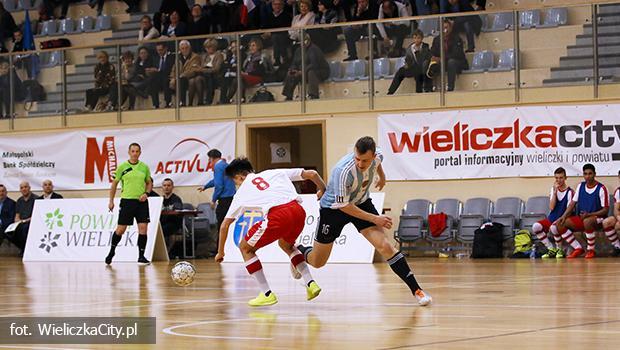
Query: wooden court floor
point(499, 304)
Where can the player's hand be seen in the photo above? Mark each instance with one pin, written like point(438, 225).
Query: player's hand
point(200, 189)
point(219, 257)
point(143, 197)
point(319, 194)
point(383, 221)
point(111, 205)
point(380, 184)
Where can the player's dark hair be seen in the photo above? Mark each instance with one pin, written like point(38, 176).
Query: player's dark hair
point(214, 153)
point(419, 33)
point(559, 170)
point(366, 144)
point(135, 144)
point(1, 185)
point(168, 179)
point(589, 167)
point(239, 166)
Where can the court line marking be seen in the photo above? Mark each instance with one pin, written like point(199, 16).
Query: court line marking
point(37, 348)
point(171, 330)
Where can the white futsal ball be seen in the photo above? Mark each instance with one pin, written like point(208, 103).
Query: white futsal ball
point(183, 273)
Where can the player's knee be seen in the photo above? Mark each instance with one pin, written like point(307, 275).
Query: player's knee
point(609, 222)
point(537, 227)
point(316, 262)
point(245, 247)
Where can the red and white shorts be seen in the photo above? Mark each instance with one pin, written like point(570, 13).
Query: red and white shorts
point(580, 226)
point(285, 221)
point(546, 224)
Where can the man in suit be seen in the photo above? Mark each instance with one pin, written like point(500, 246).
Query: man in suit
point(164, 64)
point(7, 211)
point(454, 60)
point(48, 190)
point(190, 78)
point(417, 58)
point(317, 70)
point(23, 213)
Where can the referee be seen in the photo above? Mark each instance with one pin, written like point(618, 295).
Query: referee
point(136, 181)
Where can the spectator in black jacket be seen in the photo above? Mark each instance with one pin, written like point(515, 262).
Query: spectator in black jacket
point(23, 213)
point(478, 5)
point(144, 73)
point(175, 28)
point(7, 211)
point(316, 67)
point(164, 62)
point(364, 10)
point(454, 60)
point(7, 24)
point(162, 17)
point(470, 25)
point(325, 38)
point(171, 225)
point(5, 88)
point(278, 18)
point(48, 190)
point(21, 61)
point(417, 58)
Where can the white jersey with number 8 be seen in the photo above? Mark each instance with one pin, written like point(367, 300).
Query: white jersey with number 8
point(264, 191)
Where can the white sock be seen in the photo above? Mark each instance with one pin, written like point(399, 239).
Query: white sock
point(255, 269)
point(301, 266)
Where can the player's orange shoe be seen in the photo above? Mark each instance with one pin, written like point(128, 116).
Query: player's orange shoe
point(575, 254)
point(590, 254)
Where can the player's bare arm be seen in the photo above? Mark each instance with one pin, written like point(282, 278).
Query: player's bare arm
point(314, 176)
point(112, 194)
point(381, 174)
point(223, 235)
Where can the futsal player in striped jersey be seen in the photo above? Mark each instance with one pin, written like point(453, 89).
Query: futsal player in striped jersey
point(591, 200)
point(561, 194)
point(272, 193)
point(347, 200)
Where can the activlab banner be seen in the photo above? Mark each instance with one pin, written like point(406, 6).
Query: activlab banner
point(500, 142)
point(81, 230)
point(87, 159)
point(350, 247)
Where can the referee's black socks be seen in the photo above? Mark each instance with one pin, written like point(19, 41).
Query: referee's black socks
point(116, 239)
point(399, 265)
point(142, 244)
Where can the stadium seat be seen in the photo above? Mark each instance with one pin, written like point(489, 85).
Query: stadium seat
point(354, 70)
point(452, 208)
point(475, 212)
point(102, 23)
point(204, 223)
point(25, 4)
point(536, 209)
point(67, 26)
point(506, 61)
point(10, 5)
point(400, 62)
point(48, 28)
point(85, 24)
point(50, 59)
point(413, 221)
point(335, 71)
point(529, 19)
point(381, 67)
point(555, 17)
point(507, 212)
point(501, 21)
point(482, 62)
point(429, 26)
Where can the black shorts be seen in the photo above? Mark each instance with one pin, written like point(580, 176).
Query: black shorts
point(332, 221)
point(133, 208)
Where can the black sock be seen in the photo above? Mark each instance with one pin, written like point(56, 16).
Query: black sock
point(116, 239)
point(304, 250)
point(268, 293)
point(399, 265)
point(308, 284)
point(141, 244)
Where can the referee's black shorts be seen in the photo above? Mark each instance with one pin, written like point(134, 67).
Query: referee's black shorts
point(133, 208)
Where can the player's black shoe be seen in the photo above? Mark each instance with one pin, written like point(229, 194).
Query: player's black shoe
point(108, 259)
point(143, 261)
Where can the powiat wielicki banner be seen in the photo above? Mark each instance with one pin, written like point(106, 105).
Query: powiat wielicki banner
point(500, 142)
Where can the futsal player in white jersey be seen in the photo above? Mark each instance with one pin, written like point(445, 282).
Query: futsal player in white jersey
point(347, 200)
point(273, 194)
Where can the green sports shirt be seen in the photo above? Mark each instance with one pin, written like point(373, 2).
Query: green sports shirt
point(133, 178)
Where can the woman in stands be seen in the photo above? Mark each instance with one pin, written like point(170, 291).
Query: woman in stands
point(253, 69)
point(303, 19)
point(325, 38)
point(211, 69)
point(105, 84)
point(144, 72)
point(147, 31)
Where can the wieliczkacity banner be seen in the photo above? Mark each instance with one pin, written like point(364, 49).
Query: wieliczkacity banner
point(87, 159)
point(500, 142)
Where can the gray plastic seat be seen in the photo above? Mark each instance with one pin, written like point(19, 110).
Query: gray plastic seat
point(506, 61)
point(67, 26)
point(502, 21)
point(48, 28)
point(102, 23)
point(482, 61)
point(475, 212)
point(10, 5)
point(85, 24)
point(24, 4)
point(529, 19)
point(400, 62)
point(381, 67)
point(555, 17)
point(335, 71)
point(50, 59)
point(507, 211)
point(429, 26)
point(413, 221)
point(354, 70)
point(452, 208)
point(536, 209)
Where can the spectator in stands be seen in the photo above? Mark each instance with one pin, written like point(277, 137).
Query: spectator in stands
point(7, 24)
point(7, 211)
point(198, 23)
point(470, 25)
point(48, 190)
point(175, 28)
point(345, 7)
point(147, 31)
point(171, 225)
point(455, 60)
point(364, 11)
point(133, 6)
point(417, 59)
point(23, 213)
point(190, 78)
point(128, 74)
point(316, 67)
point(49, 6)
point(278, 18)
point(229, 68)
point(21, 61)
point(303, 19)
point(144, 73)
point(161, 77)
point(211, 70)
point(478, 5)
point(162, 17)
point(220, 12)
point(325, 38)
point(393, 33)
point(253, 69)
point(5, 88)
point(105, 84)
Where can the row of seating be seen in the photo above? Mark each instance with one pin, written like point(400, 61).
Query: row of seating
point(463, 220)
point(12, 5)
point(484, 61)
point(85, 24)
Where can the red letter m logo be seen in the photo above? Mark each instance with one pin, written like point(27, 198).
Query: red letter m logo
point(100, 159)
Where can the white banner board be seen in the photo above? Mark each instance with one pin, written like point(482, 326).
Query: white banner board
point(81, 229)
point(87, 159)
point(350, 247)
point(500, 142)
